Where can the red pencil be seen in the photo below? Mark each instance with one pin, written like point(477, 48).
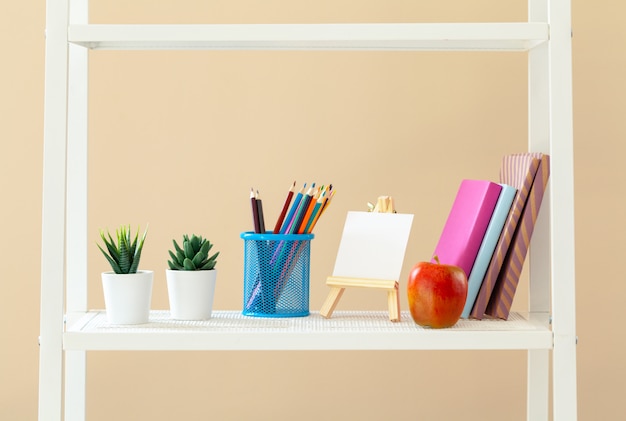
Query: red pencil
point(281, 218)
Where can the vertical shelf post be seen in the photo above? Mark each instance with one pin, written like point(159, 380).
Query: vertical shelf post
point(77, 157)
point(538, 365)
point(53, 212)
point(562, 215)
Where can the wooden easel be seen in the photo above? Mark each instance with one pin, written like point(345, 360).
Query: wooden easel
point(339, 284)
point(370, 255)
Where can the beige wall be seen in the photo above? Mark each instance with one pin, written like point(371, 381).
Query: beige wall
point(178, 139)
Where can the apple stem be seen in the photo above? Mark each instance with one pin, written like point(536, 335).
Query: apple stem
point(436, 258)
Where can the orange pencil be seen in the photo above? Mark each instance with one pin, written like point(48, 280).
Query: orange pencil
point(302, 208)
point(331, 194)
point(315, 213)
point(309, 211)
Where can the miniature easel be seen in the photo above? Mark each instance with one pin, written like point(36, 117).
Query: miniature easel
point(371, 253)
point(339, 284)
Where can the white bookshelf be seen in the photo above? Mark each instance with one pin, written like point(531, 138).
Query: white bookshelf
point(69, 329)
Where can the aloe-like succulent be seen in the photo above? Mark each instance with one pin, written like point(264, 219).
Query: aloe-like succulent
point(124, 255)
point(193, 255)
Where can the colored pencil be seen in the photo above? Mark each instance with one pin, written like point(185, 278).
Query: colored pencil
point(309, 211)
point(313, 217)
point(324, 206)
point(292, 211)
point(281, 217)
point(259, 205)
point(255, 212)
point(302, 208)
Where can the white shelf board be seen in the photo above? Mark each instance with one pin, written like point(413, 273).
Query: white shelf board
point(346, 330)
point(516, 36)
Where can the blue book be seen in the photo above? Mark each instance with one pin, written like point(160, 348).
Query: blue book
point(488, 245)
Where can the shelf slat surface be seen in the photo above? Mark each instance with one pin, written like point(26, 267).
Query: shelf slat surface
point(516, 36)
point(347, 330)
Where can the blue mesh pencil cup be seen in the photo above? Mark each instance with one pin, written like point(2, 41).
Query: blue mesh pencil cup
point(276, 274)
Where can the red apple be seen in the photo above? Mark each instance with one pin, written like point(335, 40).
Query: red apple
point(437, 294)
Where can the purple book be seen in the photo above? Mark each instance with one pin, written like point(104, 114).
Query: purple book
point(506, 284)
point(467, 222)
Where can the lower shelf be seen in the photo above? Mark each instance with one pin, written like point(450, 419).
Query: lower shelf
point(346, 330)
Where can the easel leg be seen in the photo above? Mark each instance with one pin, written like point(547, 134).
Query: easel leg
point(331, 301)
point(393, 302)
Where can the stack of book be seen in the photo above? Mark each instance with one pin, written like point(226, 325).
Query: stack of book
point(488, 231)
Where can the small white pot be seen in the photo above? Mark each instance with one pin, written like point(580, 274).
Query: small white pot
point(127, 297)
point(191, 293)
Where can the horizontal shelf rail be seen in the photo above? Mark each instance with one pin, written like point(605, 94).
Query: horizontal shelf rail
point(516, 36)
point(347, 330)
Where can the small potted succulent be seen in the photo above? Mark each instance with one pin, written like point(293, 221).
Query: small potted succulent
point(127, 290)
point(191, 279)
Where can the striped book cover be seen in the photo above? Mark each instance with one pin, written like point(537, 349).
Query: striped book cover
point(502, 296)
point(467, 222)
point(519, 171)
point(494, 229)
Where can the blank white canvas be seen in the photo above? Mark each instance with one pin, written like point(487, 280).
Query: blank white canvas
point(373, 245)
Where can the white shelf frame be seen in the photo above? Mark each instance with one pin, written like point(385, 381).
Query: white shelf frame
point(63, 346)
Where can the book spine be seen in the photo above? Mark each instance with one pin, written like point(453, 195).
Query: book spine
point(494, 230)
point(502, 296)
point(517, 171)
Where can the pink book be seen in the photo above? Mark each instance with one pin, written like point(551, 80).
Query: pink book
point(467, 222)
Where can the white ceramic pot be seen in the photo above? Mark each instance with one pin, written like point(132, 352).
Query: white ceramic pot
point(191, 293)
point(127, 297)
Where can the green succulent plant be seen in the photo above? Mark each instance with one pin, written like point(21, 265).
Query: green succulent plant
point(193, 255)
point(124, 255)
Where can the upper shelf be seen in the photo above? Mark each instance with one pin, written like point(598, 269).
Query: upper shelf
point(358, 36)
point(346, 330)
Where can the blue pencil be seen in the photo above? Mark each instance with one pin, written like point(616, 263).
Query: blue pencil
point(304, 205)
point(294, 207)
point(316, 208)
